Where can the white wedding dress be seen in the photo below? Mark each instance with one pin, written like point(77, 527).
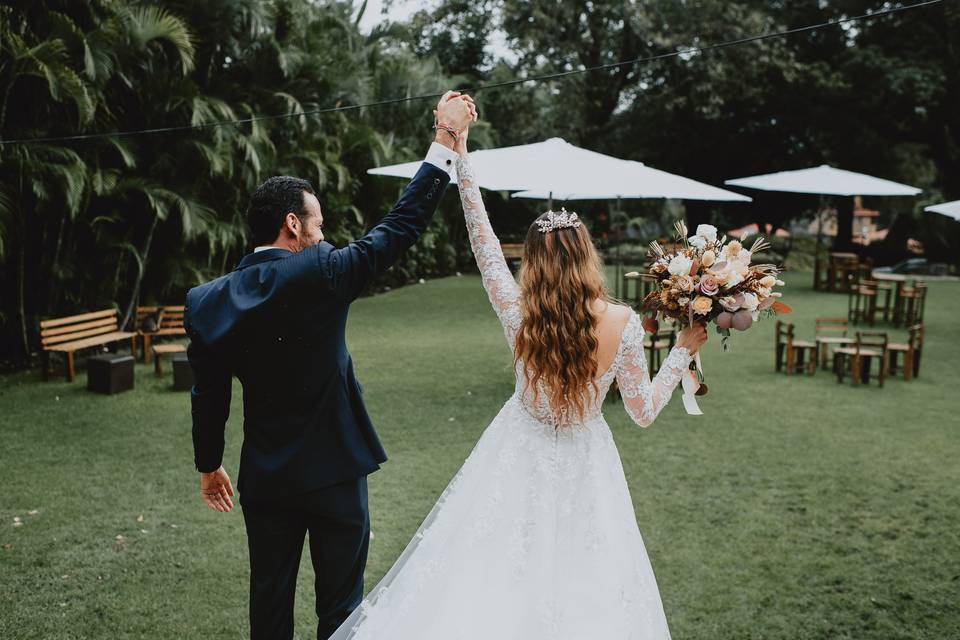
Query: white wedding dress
point(535, 538)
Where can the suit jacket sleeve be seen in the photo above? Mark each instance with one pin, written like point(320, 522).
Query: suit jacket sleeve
point(210, 401)
point(352, 267)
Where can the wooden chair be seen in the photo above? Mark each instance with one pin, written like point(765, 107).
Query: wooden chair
point(630, 288)
point(913, 301)
point(842, 271)
point(911, 350)
point(826, 334)
point(887, 289)
point(800, 354)
point(160, 350)
point(70, 334)
point(862, 302)
point(658, 344)
point(635, 288)
point(909, 303)
point(898, 303)
point(859, 356)
point(158, 321)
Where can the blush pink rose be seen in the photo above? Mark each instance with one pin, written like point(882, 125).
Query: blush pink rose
point(709, 285)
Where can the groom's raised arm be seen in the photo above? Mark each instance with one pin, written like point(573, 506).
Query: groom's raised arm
point(352, 267)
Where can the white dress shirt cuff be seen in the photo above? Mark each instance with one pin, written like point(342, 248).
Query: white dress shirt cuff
point(441, 157)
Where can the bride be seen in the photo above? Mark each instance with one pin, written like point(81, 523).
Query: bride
point(535, 538)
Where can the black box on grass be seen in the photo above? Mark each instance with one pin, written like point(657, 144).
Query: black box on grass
point(182, 373)
point(110, 373)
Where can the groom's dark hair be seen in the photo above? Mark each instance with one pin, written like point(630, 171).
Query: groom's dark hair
point(270, 204)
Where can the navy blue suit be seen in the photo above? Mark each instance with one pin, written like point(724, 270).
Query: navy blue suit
point(278, 324)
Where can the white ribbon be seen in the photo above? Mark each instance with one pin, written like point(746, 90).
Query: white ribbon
point(690, 385)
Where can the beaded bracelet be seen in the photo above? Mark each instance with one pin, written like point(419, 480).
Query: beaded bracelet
point(440, 126)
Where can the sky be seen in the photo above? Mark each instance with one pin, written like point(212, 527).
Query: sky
point(400, 10)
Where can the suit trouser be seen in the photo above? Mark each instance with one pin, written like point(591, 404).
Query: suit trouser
point(338, 521)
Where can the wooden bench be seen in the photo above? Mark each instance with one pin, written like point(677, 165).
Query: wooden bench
point(164, 349)
point(169, 322)
point(70, 334)
point(512, 251)
point(513, 254)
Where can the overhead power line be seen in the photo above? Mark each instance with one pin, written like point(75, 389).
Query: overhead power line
point(484, 87)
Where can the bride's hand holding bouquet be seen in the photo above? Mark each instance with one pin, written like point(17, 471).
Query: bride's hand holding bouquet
point(702, 279)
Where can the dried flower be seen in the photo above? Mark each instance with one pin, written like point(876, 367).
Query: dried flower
point(730, 303)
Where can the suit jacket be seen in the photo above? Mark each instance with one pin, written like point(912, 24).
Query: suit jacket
point(277, 323)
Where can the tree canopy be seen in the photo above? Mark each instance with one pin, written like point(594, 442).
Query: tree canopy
point(127, 220)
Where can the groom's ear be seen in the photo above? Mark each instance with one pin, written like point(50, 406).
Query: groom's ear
point(291, 224)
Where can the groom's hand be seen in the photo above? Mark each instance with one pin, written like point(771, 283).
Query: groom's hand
point(216, 490)
point(455, 110)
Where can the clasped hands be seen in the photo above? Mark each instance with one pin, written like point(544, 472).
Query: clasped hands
point(454, 114)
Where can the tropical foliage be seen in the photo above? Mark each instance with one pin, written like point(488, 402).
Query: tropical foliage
point(89, 223)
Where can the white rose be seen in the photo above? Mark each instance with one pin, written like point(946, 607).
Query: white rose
point(680, 265)
point(697, 242)
point(734, 277)
point(708, 232)
point(750, 302)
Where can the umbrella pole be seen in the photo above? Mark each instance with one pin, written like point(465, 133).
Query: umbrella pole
point(619, 268)
point(817, 264)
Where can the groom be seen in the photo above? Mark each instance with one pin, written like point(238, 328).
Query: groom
point(277, 323)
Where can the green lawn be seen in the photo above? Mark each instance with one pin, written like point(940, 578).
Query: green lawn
point(795, 508)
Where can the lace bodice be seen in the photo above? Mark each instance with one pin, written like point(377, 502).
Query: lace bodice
point(643, 397)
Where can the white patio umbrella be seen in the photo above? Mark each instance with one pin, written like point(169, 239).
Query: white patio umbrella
point(524, 166)
point(555, 168)
point(949, 209)
point(569, 172)
point(633, 180)
point(825, 180)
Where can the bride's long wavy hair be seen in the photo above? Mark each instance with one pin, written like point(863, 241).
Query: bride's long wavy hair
point(560, 277)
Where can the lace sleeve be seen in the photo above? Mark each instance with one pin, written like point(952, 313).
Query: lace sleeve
point(501, 287)
point(644, 398)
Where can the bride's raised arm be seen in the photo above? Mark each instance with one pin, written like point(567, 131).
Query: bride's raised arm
point(644, 398)
point(501, 287)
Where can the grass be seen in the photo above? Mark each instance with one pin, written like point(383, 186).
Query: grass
point(795, 508)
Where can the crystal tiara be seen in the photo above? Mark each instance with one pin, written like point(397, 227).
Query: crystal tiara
point(558, 220)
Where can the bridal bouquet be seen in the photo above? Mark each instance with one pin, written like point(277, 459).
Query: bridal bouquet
point(703, 279)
